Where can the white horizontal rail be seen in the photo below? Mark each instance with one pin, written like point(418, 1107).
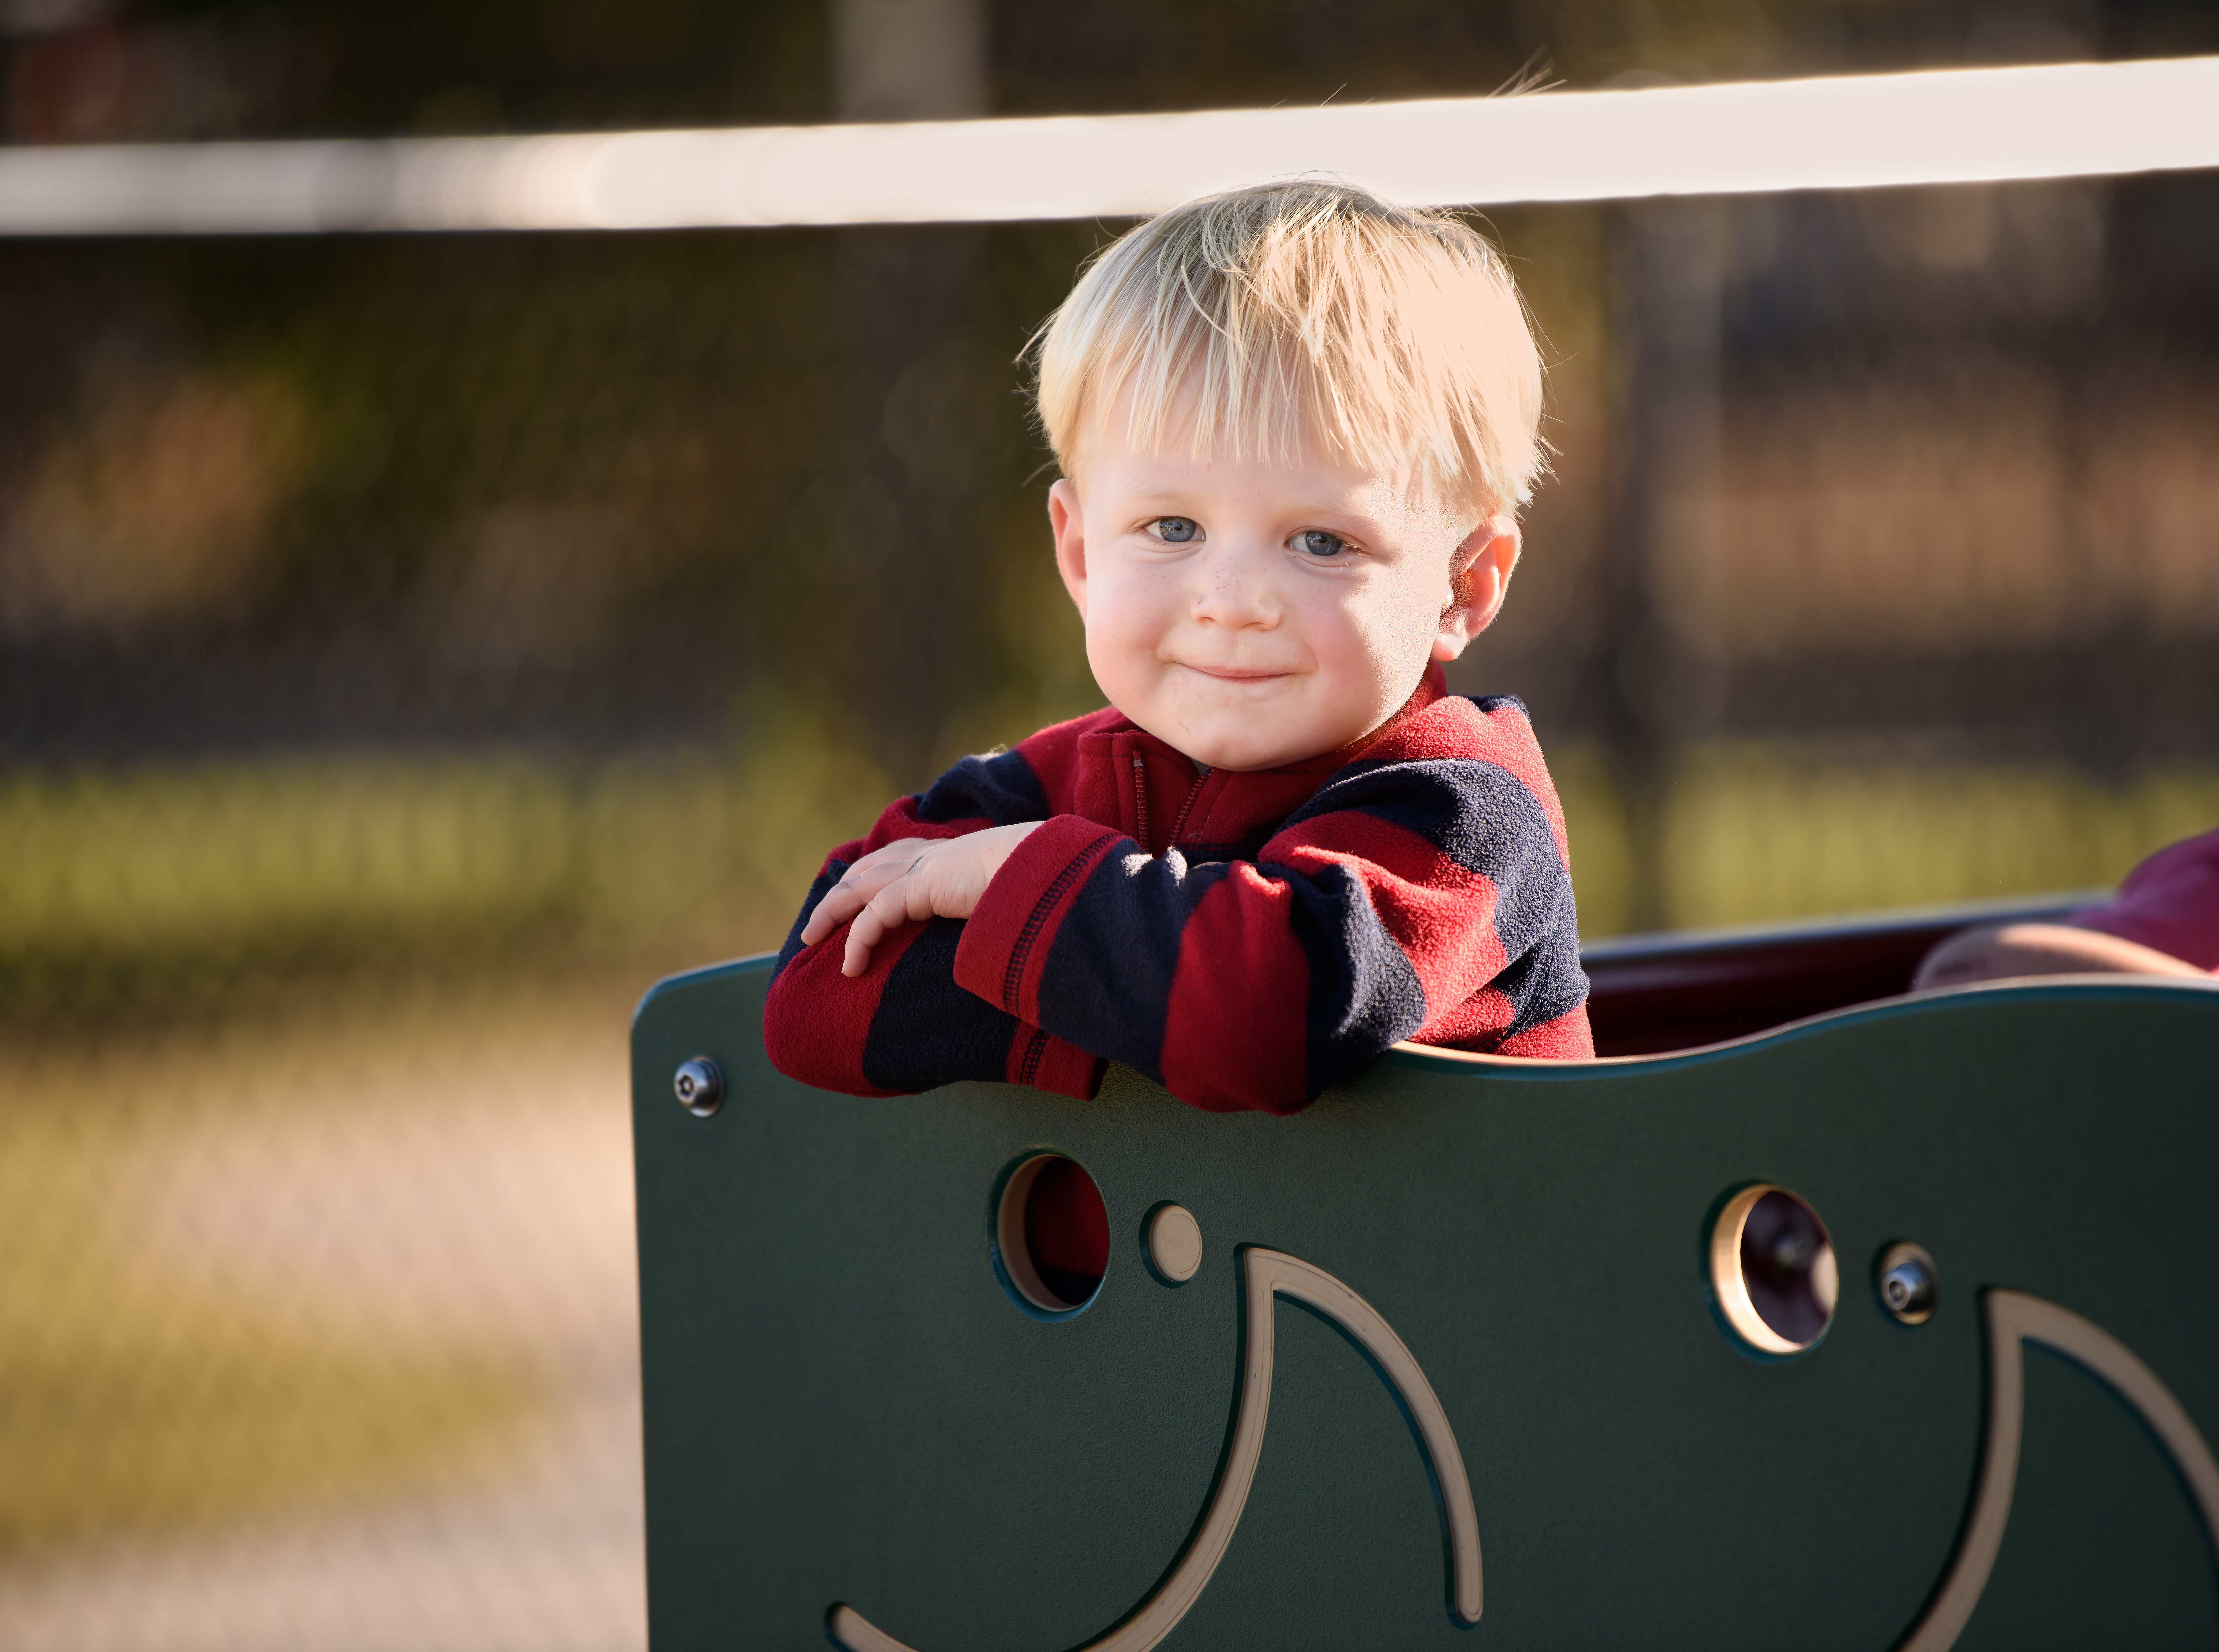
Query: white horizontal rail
point(1863, 132)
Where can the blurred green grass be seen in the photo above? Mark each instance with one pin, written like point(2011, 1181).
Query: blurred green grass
point(133, 1399)
point(177, 884)
point(1755, 832)
point(1758, 832)
point(171, 881)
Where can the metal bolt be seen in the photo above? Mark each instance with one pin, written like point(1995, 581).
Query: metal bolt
point(699, 1086)
point(1909, 1287)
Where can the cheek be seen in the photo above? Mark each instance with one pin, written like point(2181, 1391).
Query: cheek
point(1122, 626)
point(1411, 614)
point(1360, 624)
point(1380, 635)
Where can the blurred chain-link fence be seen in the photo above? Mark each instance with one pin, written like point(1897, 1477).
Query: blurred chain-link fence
point(409, 648)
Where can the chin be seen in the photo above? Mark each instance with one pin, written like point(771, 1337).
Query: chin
point(1240, 758)
point(1219, 754)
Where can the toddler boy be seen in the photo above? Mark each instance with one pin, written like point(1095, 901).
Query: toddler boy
point(1293, 423)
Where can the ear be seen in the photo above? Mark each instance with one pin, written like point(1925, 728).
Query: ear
point(1070, 540)
point(1479, 578)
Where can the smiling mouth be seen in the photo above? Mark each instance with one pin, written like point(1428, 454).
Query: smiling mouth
point(1232, 673)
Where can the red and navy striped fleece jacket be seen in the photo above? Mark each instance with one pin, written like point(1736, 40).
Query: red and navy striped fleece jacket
point(1244, 939)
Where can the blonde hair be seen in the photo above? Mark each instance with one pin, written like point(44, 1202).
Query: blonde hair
point(1393, 338)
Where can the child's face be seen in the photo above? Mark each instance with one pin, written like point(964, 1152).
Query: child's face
point(1253, 615)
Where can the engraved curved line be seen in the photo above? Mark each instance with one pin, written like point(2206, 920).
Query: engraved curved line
point(1267, 1274)
point(2014, 1318)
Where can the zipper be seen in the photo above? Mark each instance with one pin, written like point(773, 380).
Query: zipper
point(1141, 802)
point(1178, 826)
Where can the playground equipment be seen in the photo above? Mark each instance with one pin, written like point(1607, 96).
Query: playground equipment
point(1893, 1327)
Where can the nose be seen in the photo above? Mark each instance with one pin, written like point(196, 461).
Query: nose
point(1236, 592)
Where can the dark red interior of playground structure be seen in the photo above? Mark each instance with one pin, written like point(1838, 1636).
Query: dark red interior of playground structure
point(1649, 993)
point(1068, 1231)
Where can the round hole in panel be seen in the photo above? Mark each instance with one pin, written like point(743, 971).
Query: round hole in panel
point(1774, 1273)
point(1051, 1236)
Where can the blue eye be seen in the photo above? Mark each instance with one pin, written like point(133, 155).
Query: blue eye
point(1175, 529)
point(1320, 543)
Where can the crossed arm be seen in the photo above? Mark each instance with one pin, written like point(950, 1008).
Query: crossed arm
point(1404, 892)
point(908, 881)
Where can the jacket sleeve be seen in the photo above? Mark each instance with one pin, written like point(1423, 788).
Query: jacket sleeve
point(904, 1025)
point(2170, 903)
point(1412, 898)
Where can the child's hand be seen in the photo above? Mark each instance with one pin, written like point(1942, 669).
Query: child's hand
point(915, 879)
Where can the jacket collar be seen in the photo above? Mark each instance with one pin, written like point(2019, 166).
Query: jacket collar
point(1154, 794)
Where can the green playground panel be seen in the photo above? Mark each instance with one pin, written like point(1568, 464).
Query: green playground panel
point(845, 1407)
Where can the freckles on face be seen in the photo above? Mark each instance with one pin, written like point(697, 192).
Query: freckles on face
point(1254, 614)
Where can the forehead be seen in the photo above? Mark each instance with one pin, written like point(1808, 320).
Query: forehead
point(1147, 437)
point(1106, 458)
point(1111, 459)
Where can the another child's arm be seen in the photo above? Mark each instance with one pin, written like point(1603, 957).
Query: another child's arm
point(2164, 921)
point(2169, 903)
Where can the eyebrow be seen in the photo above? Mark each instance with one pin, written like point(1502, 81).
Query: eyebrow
point(1173, 496)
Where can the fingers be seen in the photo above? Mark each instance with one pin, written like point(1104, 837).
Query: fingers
point(864, 879)
point(907, 899)
point(864, 934)
point(879, 916)
point(828, 916)
point(902, 849)
point(841, 902)
point(905, 882)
